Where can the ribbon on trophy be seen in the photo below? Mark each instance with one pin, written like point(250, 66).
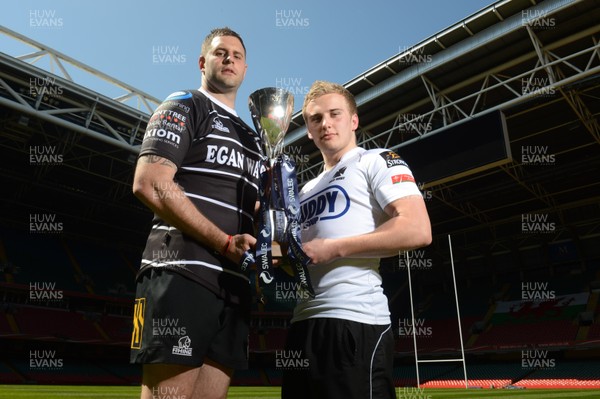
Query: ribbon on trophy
point(279, 211)
point(285, 185)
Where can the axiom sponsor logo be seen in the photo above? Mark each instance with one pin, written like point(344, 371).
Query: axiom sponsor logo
point(163, 135)
point(330, 203)
point(138, 323)
point(183, 347)
point(392, 159)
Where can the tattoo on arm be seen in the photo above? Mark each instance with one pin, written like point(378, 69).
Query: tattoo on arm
point(159, 160)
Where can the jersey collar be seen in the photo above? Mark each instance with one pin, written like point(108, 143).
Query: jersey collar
point(214, 100)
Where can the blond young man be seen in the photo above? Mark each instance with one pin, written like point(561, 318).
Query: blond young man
point(373, 209)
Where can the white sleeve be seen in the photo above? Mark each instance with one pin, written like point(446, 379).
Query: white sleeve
point(390, 177)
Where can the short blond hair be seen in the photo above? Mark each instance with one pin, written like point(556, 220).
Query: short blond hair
point(321, 87)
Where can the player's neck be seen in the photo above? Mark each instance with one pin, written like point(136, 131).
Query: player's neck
point(227, 98)
point(331, 160)
point(219, 99)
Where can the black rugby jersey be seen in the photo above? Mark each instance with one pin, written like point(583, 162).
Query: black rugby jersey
point(218, 159)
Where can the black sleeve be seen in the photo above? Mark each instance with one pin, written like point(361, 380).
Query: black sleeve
point(170, 130)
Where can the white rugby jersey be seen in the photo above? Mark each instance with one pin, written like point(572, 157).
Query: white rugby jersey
point(348, 200)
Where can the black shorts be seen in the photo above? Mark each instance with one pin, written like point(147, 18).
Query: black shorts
point(178, 321)
point(339, 359)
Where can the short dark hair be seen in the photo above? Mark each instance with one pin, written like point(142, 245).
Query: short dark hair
point(218, 32)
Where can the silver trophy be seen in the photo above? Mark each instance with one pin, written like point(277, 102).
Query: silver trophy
point(271, 110)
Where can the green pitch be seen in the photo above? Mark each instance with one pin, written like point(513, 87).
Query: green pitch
point(112, 392)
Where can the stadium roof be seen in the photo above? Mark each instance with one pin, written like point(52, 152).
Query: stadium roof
point(536, 63)
point(539, 65)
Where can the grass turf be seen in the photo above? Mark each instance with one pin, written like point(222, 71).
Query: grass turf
point(119, 392)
